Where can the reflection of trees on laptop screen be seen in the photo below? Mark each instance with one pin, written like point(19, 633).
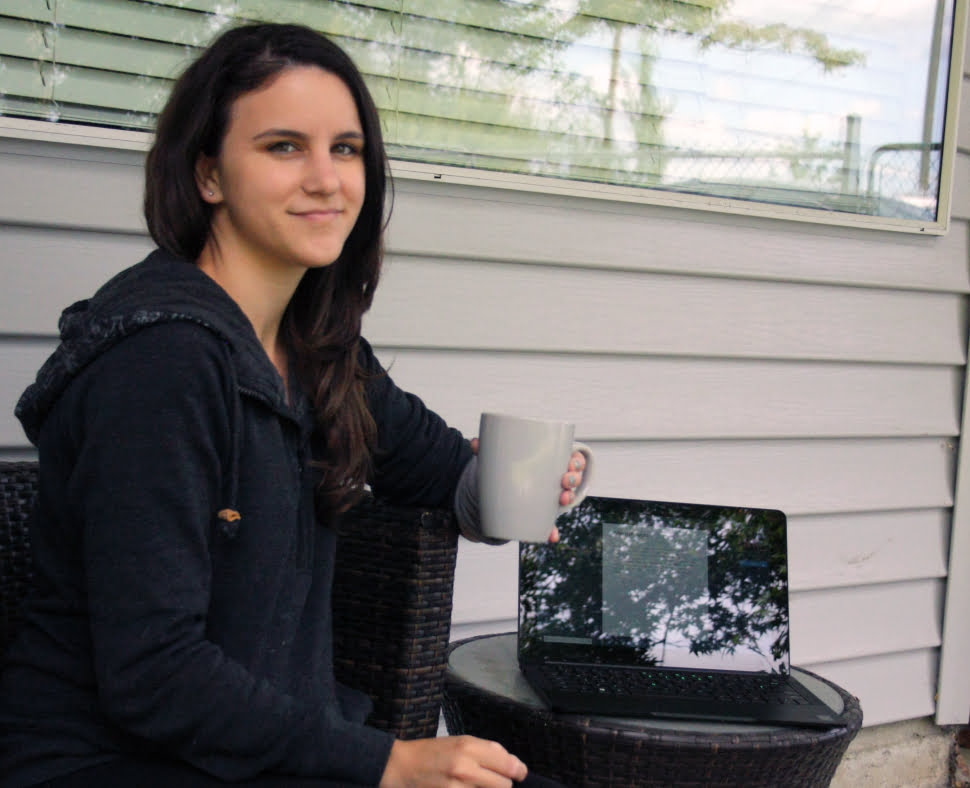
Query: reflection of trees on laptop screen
point(563, 582)
point(669, 583)
point(654, 585)
point(748, 587)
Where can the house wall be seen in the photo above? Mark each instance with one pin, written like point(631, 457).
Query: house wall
point(704, 356)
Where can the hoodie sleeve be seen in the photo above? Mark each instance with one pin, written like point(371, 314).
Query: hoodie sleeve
point(419, 458)
point(147, 480)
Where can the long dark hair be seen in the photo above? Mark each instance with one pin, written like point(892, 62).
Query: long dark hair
point(321, 325)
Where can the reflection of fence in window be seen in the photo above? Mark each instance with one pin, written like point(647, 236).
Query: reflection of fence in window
point(908, 172)
point(755, 173)
point(899, 180)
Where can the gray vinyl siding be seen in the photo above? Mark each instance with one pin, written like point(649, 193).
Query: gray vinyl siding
point(953, 680)
point(704, 356)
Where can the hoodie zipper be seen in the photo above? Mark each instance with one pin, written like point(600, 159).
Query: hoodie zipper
point(304, 535)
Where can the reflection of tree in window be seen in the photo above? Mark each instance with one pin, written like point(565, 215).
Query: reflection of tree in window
point(568, 90)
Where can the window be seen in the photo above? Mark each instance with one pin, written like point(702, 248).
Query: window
point(833, 109)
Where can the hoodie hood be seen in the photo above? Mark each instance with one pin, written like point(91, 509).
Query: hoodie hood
point(159, 289)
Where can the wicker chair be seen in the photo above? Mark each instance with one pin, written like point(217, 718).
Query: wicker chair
point(392, 598)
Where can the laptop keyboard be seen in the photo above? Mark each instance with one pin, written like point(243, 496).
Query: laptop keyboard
point(640, 682)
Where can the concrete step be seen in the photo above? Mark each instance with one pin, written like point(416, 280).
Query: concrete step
point(910, 754)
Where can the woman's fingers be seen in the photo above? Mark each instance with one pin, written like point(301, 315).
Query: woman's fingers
point(572, 478)
point(577, 462)
point(495, 759)
point(452, 761)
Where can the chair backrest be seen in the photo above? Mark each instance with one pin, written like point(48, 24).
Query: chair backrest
point(18, 489)
point(392, 598)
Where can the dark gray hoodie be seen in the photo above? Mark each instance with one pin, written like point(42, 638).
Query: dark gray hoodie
point(157, 625)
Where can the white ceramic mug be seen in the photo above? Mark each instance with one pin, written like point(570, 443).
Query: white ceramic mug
point(521, 463)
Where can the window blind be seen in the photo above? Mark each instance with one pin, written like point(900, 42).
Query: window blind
point(839, 107)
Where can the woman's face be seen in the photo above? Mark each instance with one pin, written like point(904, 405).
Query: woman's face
point(288, 183)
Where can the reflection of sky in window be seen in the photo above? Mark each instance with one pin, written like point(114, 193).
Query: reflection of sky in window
point(721, 97)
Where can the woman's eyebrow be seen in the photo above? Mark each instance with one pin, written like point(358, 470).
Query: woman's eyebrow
point(300, 135)
point(281, 133)
point(351, 135)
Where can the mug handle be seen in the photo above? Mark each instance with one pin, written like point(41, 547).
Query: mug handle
point(580, 491)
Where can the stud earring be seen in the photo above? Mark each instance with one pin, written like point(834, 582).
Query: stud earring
point(212, 193)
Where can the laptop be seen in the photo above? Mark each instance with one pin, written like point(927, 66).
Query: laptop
point(663, 609)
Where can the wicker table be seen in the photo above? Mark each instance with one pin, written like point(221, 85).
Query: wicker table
point(486, 695)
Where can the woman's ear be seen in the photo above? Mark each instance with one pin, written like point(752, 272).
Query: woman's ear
point(207, 180)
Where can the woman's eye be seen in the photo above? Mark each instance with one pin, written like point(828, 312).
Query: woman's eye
point(282, 147)
point(346, 149)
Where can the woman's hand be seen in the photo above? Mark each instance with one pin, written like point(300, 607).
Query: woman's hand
point(571, 479)
point(451, 761)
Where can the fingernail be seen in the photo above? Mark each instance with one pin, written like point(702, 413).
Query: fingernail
point(572, 480)
point(577, 464)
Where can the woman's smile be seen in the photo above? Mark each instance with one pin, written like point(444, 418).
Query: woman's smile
point(318, 214)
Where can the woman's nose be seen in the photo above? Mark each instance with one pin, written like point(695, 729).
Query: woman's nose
point(321, 175)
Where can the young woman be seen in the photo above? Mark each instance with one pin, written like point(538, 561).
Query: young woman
point(206, 415)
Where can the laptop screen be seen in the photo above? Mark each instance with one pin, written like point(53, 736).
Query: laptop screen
point(656, 583)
